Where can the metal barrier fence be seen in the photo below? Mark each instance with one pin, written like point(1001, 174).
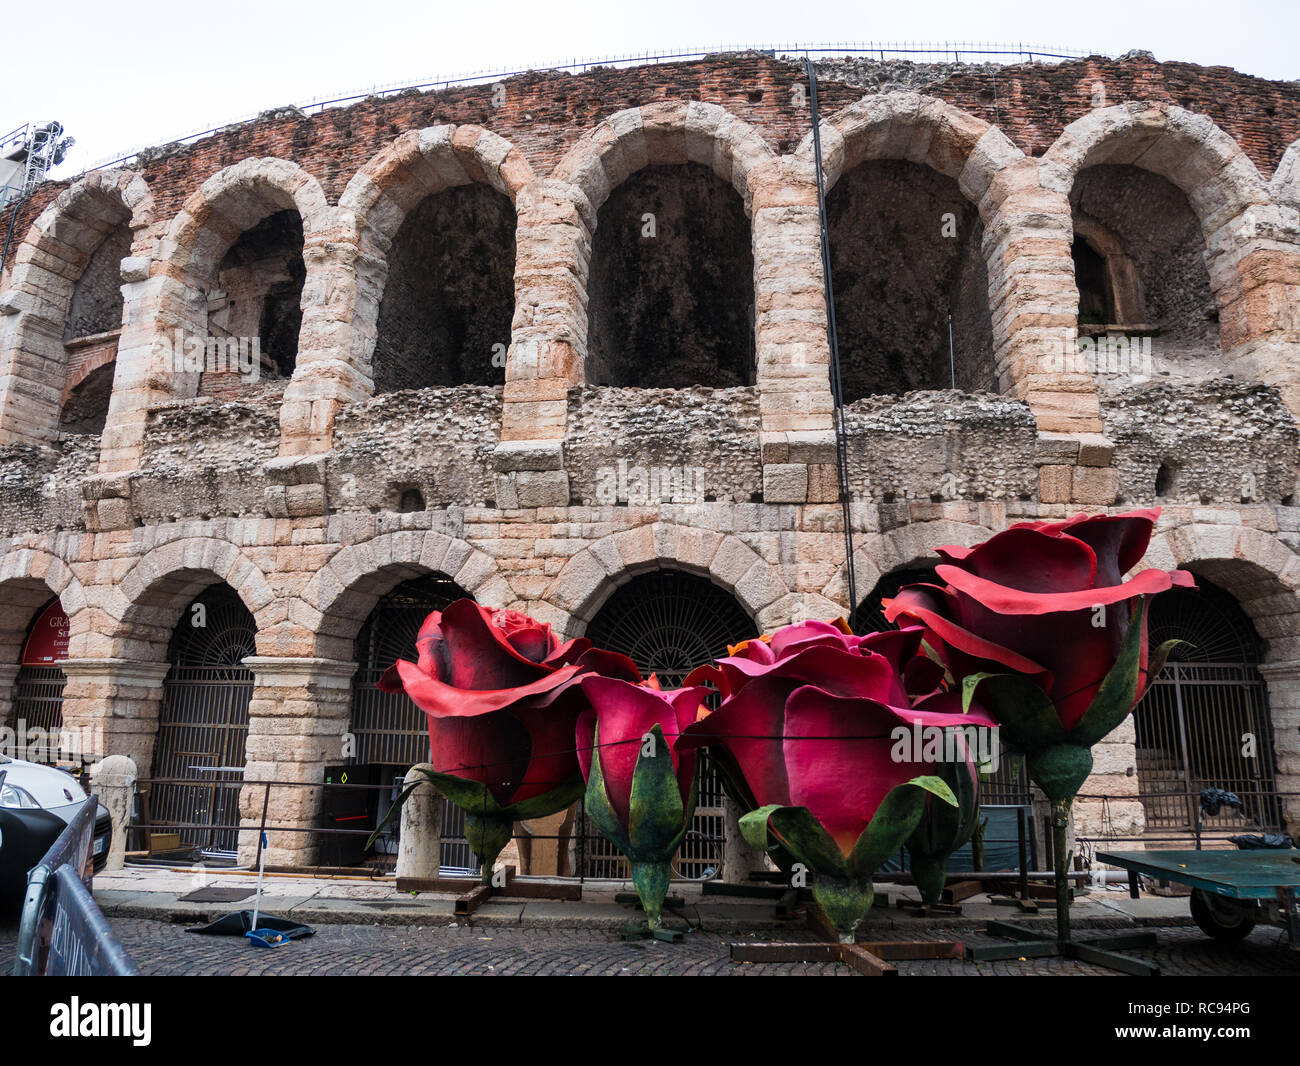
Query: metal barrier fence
point(62, 932)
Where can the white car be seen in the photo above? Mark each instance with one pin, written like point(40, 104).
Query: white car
point(36, 803)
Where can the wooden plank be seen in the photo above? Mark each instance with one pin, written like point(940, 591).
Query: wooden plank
point(539, 890)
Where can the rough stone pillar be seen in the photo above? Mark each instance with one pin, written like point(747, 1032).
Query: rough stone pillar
point(1034, 305)
point(113, 781)
point(334, 349)
point(548, 343)
point(419, 846)
point(739, 860)
point(796, 435)
point(296, 721)
point(156, 307)
point(113, 705)
point(1284, 703)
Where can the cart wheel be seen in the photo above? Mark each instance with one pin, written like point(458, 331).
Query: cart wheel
point(1226, 920)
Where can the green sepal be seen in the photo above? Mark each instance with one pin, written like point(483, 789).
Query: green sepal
point(1025, 713)
point(1119, 688)
point(895, 820)
point(796, 830)
point(845, 901)
point(597, 805)
point(1158, 656)
point(657, 818)
point(1059, 769)
point(943, 829)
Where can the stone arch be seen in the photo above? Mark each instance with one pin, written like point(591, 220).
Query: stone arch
point(915, 128)
point(679, 157)
point(906, 164)
point(174, 298)
point(378, 198)
point(29, 577)
point(147, 603)
point(677, 131)
point(1185, 148)
point(340, 596)
point(903, 548)
point(589, 576)
point(48, 264)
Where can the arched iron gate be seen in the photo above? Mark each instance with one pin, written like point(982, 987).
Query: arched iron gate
point(668, 622)
point(391, 732)
point(203, 723)
point(1205, 721)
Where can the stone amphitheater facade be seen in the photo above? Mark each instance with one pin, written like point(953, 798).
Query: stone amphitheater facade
point(314, 493)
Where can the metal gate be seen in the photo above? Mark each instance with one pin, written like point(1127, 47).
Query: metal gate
point(668, 622)
point(203, 724)
point(1195, 724)
point(390, 730)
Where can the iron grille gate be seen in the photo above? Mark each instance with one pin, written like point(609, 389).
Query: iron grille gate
point(1192, 724)
point(203, 723)
point(38, 698)
point(668, 622)
point(390, 730)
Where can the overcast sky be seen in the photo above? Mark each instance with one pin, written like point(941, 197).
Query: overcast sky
point(120, 76)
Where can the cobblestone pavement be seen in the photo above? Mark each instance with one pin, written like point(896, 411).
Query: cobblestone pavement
point(166, 949)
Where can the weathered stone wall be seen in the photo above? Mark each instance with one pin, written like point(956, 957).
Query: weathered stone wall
point(1222, 442)
point(934, 446)
point(290, 492)
point(697, 444)
point(438, 441)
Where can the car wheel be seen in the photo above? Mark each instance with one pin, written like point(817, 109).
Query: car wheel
point(1226, 920)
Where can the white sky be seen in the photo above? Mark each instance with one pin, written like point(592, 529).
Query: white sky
point(120, 76)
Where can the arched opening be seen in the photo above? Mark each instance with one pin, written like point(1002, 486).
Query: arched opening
point(671, 283)
point(198, 761)
point(869, 615)
point(449, 297)
point(389, 733)
point(911, 286)
point(36, 715)
point(85, 410)
point(1204, 722)
point(257, 296)
point(1139, 255)
point(668, 622)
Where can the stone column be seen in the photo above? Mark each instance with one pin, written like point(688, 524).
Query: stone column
point(1284, 705)
point(112, 705)
point(112, 780)
point(797, 438)
point(297, 719)
point(1034, 305)
point(419, 846)
point(739, 860)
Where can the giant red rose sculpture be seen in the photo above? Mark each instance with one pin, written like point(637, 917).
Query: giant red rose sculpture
point(809, 724)
point(1039, 623)
point(501, 694)
point(640, 789)
point(1038, 620)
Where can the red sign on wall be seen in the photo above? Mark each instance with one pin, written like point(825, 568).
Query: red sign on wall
point(48, 642)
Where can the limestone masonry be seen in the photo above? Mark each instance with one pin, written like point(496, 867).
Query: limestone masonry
point(546, 336)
